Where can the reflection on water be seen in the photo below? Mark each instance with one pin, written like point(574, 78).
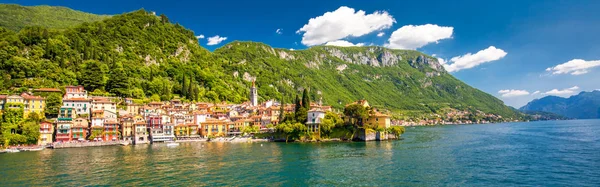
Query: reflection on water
point(541, 153)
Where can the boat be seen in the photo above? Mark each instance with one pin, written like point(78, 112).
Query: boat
point(13, 150)
point(33, 149)
point(172, 144)
point(125, 143)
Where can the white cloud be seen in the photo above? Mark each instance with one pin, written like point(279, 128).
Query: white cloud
point(567, 91)
point(341, 23)
point(471, 60)
point(513, 93)
point(413, 37)
point(215, 40)
point(574, 67)
point(442, 61)
point(291, 49)
point(380, 34)
point(535, 93)
point(343, 43)
point(200, 36)
point(279, 31)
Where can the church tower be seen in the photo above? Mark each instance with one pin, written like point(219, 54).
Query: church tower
point(253, 95)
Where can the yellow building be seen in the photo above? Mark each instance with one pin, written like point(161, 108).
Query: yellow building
point(378, 120)
point(32, 104)
point(215, 127)
point(46, 131)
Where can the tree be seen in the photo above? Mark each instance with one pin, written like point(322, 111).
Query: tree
point(281, 111)
point(301, 115)
point(297, 104)
point(93, 76)
point(357, 113)
point(118, 82)
point(164, 19)
point(396, 130)
point(31, 131)
point(330, 121)
point(184, 87)
point(305, 99)
point(53, 104)
point(190, 91)
point(35, 117)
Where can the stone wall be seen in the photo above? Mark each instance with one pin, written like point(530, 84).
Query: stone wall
point(84, 144)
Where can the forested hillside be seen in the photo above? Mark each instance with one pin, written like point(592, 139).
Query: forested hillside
point(15, 17)
point(144, 56)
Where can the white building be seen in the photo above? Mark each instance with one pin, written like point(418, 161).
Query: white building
point(253, 95)
point(315, 116)
point(76, 97)
point(109, 107)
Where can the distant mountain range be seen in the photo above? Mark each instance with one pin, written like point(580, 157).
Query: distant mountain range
point(585, 105)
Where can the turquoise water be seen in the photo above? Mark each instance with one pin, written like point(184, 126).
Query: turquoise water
point(561, 153)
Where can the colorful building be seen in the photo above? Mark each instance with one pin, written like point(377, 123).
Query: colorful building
point(140, 134)
point(76, 97)
point(46, 131)
point(111, 130)
point(79, 129)
point(127, 128)
point(63, 129)
point(33, 104)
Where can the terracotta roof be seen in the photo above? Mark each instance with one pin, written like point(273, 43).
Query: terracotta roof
point(76, 99)
point(31, 97)
point(47, 90)
point(2, 96)
point(316, 109)
point(111, 121)
point(70, 86)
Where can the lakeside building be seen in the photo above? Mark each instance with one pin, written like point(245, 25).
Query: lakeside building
point(31, 103)
point(46, 131)
point(376, 119)
point(79, 129)
point(111, 130)
point(140, 135)
point(77, 97)
point(314, 118)
point(127, 127)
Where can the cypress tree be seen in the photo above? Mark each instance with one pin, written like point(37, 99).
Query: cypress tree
point(297, 103)
point(184, 88)
point(281, 105)
point(305, 99)
point(190, 91)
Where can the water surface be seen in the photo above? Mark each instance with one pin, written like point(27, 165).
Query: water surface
point(557, 153)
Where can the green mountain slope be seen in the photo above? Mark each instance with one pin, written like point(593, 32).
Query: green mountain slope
point(144, 56)
point(15, 17)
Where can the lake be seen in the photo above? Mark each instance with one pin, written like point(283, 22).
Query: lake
point(552, 153)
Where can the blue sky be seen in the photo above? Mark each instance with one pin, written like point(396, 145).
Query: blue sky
point(521, 44)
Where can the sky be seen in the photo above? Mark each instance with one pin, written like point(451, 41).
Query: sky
point(515, 50)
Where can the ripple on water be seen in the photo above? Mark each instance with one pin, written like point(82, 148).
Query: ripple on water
point(563, 153)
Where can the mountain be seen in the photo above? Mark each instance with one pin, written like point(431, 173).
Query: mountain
point(585, 105)
point(144, 56)
point(15, 17)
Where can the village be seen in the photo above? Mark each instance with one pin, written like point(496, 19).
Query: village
point(85, 120)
